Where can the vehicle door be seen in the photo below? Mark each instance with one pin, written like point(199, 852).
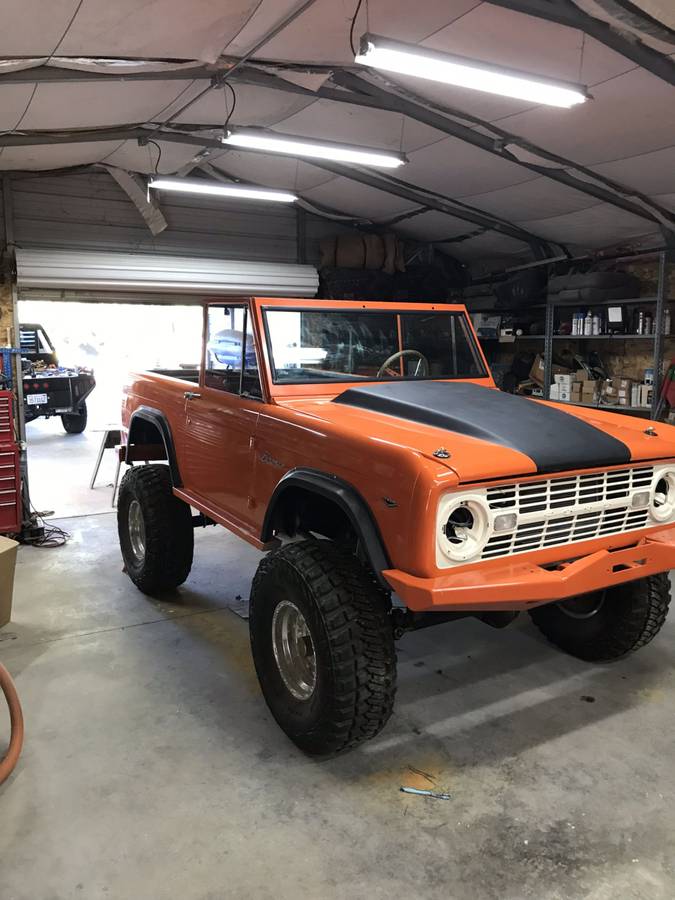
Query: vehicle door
point(221, 415)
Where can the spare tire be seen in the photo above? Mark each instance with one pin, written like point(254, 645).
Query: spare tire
point(75, 423)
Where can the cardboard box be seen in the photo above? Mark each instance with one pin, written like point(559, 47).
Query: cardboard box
point(646, 394)
point(537, 370)
point(564, 380)
point(565, 394)
point(7, 562)
point(581, 375)
point(622, 384)
point(590, 387)
point(590, 391)
point(554, 392)
point(486, 326)
point(575, 392)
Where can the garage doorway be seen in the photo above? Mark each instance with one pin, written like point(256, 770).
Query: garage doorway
point(112, 339)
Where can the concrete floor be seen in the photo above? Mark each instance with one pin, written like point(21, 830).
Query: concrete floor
point(61, 465)
point(152, 768)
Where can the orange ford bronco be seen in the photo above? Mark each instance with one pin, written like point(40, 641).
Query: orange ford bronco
point(366, 446)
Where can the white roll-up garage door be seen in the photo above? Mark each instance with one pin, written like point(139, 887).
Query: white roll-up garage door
point(112, 276)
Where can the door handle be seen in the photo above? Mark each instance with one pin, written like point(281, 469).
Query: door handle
point(191, 395)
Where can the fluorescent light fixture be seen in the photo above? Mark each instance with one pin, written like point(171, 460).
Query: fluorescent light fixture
point(272, 142)
point(408, 59)
point(214, 189)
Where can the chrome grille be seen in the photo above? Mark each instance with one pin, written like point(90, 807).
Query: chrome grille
point(560, 511)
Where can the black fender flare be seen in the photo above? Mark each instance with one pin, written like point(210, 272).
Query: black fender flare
point(350, 502)
point(158, 419)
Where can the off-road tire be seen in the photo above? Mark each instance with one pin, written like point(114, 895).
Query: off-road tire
point(347, 614)
point(631, 615)
point(169, 535)
point(75, 423)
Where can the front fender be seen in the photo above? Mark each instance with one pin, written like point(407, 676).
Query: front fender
point(347, 499)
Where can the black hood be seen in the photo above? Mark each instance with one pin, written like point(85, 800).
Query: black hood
point(554, 440)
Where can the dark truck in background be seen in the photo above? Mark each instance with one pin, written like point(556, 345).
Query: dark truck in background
point(50, 389)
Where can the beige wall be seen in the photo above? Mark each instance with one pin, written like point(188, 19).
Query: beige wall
point(6, 315)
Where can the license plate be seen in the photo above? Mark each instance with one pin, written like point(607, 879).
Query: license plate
point(36, 399)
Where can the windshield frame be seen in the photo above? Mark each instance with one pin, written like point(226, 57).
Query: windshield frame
point(381, 309)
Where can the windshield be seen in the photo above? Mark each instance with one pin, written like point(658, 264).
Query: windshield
point(316, 345)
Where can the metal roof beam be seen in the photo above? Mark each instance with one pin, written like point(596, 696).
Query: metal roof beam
point(438, 202)
point(562, 171)
point(235, 68)
point(363, 93)
point(57, 75)
point(564, 12)
point(398, 188)
point(387, 184)
point(359, 92)
point(83, 136)
point(281, 25)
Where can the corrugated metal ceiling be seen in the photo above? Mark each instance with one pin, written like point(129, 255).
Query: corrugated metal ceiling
point(626, 133)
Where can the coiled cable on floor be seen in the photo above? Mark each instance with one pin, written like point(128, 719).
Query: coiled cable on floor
point(16, 725)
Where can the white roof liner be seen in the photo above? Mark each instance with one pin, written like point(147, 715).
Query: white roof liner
point(626, 133)
point(199, 29)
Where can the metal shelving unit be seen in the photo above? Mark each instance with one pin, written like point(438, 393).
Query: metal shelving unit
point(603, 337)
point(666, 258)
point(611, 407)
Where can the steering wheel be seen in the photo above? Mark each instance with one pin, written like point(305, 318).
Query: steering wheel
point(385, 368)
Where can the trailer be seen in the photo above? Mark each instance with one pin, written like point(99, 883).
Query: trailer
point(49, 389)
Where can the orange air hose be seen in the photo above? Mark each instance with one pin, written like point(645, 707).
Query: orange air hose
point(16, 725)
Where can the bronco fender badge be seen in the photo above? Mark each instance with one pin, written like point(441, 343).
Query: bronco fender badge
point(269, 460)
point(442, 453)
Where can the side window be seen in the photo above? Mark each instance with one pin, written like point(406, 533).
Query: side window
point(226, 349)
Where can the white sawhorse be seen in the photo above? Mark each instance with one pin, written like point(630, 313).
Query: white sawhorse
point(112, 438)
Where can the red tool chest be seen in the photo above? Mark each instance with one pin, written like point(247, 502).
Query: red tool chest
point(10, 473)
point(6, 418)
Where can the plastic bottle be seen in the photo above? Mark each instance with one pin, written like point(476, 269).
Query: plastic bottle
point(596, 324)
point(666, 322)
point(588, 324)
point(641, 323)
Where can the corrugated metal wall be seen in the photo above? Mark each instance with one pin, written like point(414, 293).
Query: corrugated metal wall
point(89, 211)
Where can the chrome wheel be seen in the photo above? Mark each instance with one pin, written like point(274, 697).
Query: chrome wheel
point(294, 650)
point(584, 607)
point(136, 531)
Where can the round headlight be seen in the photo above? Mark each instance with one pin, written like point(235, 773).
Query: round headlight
point(663, 496)
point(466, 529)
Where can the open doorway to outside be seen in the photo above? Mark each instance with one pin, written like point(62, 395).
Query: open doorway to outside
point(112, 340)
